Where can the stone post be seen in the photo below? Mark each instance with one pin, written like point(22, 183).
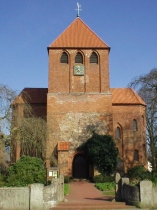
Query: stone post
point(118, 187)
point(146, 194)
point(55, 185)
point(61, 188)
point(123, 181)
point(36, 196)
point(155, 196)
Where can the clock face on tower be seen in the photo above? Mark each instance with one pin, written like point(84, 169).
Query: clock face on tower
point(79, 70)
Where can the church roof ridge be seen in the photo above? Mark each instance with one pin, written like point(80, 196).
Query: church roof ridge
point(78, 35)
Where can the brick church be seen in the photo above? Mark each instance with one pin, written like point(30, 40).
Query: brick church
point(79, 100)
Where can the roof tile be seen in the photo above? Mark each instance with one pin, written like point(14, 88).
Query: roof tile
point(125, 96)
point(63, 146)
point(33, 95)
point(78, 35)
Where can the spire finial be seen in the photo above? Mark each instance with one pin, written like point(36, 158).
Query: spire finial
point(78, 9)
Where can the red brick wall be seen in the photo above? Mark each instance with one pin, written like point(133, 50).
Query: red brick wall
point(78, 104)
point(62, 79)
point(123, 116)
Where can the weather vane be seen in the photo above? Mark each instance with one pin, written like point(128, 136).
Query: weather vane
point(78, 9)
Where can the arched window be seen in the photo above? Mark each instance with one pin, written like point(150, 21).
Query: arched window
point(94, 58)
point(78, 58)
point(118, 133)
point(136, 155)
point(64, 58)
point(134, 125)
point(143, 120)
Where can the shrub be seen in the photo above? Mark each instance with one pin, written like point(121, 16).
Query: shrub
point(137, 172)
point(105, 186)
point(2, 182)
point(25, 171)
point(102, 178)
point(102, 152)
point(153, 177)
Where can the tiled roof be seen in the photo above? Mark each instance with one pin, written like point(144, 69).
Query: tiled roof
point(125, 96)
point(119, 96)
point(35, 95)
point(78, 35)
point(63, 146)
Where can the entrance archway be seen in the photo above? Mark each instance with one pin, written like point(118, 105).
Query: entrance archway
point(80, 167)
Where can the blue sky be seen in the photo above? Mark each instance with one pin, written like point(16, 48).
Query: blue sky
point(28, 27)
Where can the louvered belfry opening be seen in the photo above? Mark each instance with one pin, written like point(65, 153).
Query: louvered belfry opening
point(78, 58)
point(94, 58)
point(64, 58)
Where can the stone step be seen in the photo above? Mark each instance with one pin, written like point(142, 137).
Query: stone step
point(93, 206)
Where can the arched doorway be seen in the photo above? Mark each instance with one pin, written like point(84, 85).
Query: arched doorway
point(80, 167)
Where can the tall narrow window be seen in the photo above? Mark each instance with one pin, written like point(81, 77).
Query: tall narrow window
point(136, 155)
point(134, 125)
point(64, 58)
point(94, 58)
point(118, 134)
point(143, 120)
point(78, 58)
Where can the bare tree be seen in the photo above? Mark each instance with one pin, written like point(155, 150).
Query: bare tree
point(33, 131)
point(3, 155)
point(23, 127)
point(146, 86)
point(28, 130)
point(7, 96)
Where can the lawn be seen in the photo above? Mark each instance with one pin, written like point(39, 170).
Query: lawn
point(105, 186)
point(108, 188)
point(112, 192)
point(66, 189)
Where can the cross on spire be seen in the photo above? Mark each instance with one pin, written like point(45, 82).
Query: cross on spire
point(78, 9)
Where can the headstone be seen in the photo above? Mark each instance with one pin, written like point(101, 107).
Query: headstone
point(146, 194)
point(118, 187)
point(123, 181)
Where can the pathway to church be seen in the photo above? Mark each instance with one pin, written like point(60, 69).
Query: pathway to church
point(84, 196)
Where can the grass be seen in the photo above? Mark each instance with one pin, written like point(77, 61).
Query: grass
point(109, 193)
point(66, 189)
point(105, 186)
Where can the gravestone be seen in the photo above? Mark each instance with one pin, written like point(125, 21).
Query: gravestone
point(146, 193)
point(118, 196)
point(123, 182)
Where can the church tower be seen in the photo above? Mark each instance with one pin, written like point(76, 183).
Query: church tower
point(79, 98)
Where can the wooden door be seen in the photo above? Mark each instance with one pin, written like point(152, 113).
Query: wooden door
point(80, 167)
